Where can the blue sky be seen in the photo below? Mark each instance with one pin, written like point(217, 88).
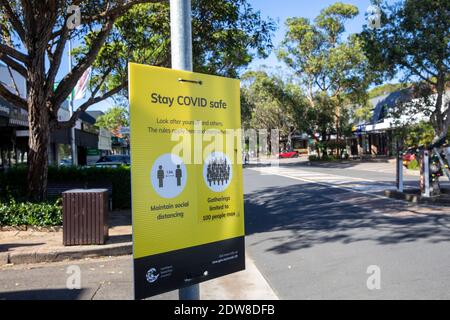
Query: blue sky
point(280, 10)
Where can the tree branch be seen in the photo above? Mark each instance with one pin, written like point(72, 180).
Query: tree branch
point(55, 59)
point(102, 81)
point(421, 65)
point(92, 100)
point(12, 98)
point(118, 10)
point(28, 20)
point(337, 91)
point(417, 73)
point(12, 17)
point(14, 53)
point(13, 80)
point(319, 85)
point(14, 64)
point(70, 80)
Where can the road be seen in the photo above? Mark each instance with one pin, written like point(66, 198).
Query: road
point(311, 231)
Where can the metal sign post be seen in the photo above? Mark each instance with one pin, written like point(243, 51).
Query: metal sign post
point(399, 171)
point(73, 144)
point(181, 45)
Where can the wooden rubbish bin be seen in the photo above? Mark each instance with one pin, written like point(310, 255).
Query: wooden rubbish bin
point(85, 216)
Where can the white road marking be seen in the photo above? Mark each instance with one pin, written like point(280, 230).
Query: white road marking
point(333, 180)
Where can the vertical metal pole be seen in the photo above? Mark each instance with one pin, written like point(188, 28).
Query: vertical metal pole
point(426, 173)
point(399, 170)
point(181, 45)
point(181, 34)
point(73, 145)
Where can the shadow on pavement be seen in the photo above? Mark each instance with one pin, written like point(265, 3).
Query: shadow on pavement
point(7, 246)
point(119, 218)
point(119, 238)
point(42, 294)
point(314, 214)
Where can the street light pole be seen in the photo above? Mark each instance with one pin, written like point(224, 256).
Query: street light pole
point(181, 45)
point(73, 145)
point(181, 34)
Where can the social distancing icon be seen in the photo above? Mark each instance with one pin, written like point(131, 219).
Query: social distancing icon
point(168, 175)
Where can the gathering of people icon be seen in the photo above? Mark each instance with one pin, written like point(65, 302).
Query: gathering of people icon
point(218, 172)
point(161, 176)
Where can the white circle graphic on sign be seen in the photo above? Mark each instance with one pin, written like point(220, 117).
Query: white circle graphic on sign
point(217, 171)
point(168, 175)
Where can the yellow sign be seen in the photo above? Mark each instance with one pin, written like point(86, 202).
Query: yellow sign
point(187, 193)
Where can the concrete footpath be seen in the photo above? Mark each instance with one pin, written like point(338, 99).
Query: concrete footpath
point(33, 264)
point(111, 278)
point(45, 245)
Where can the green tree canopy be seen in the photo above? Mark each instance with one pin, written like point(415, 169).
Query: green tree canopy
point(332, 71)
point(34, 35)
point(414, 42)
point(114, 118)
point(271, 102)
point(226, 35)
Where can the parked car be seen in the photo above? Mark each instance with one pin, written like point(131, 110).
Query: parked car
point(409, 155)
point(284, 154)
point(115, 159)
point(65, 162)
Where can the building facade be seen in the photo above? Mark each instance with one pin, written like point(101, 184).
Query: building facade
point(14, 130)
point(376, 137)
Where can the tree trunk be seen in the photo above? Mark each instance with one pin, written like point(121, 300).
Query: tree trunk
point(292, 130)
point(338, 130)
point(441, 118)
point(38, 153)
point(38, 119)
point(441, 124)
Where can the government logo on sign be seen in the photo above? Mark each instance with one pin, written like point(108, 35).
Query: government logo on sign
point(152, 275)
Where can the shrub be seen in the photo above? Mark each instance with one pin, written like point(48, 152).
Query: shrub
point(328, 157)
point(14, 213)
point(325, 157)
point(413, 165)
point(13, 183)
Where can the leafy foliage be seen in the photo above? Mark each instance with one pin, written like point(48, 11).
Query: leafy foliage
point(34, 34)
point(14, 213)
point(226, 36)
point(113, 119)
point(414, 40)
point(13, 181)
point(413, 165)
point(271, 102)
point(385, 89)
point(333, 71)
point(420, 134)
point(333, 146)
point(313, 158)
